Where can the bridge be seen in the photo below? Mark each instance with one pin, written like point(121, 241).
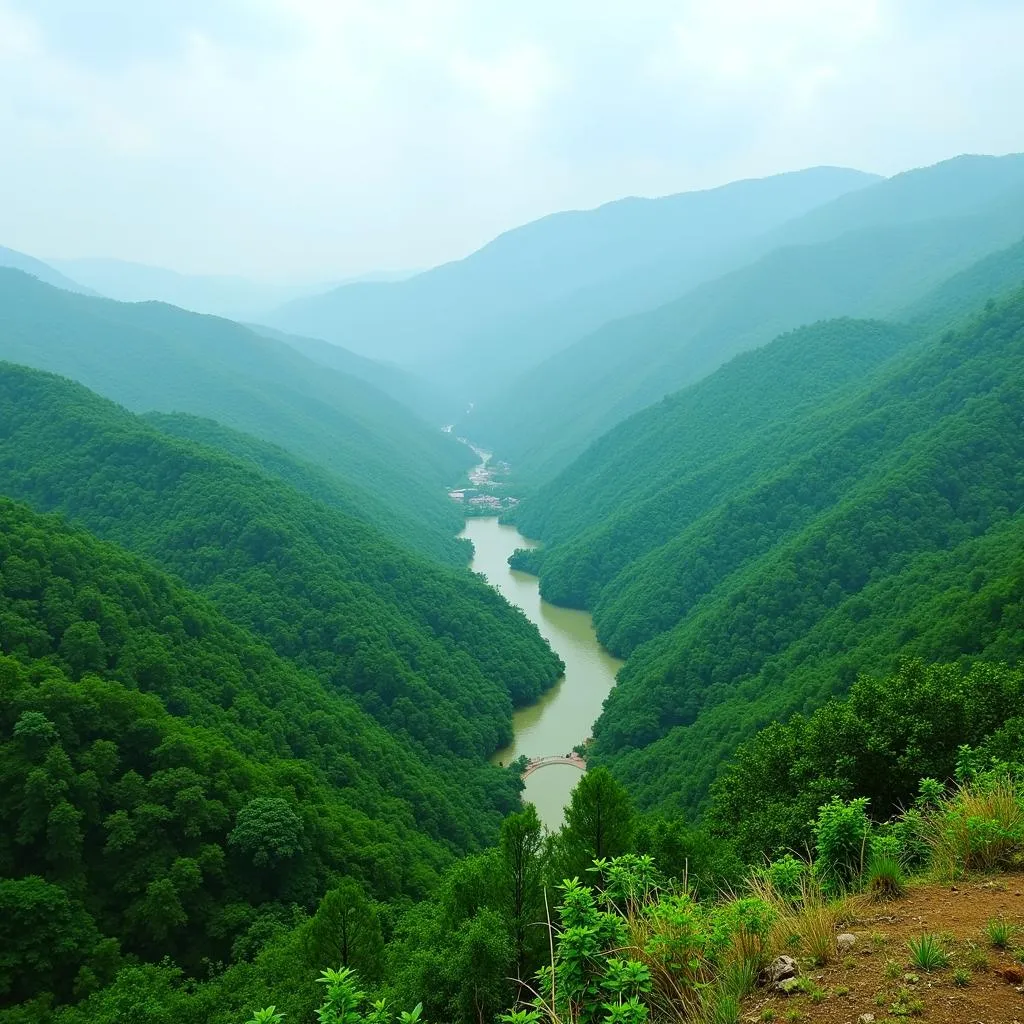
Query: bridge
point(542, 762)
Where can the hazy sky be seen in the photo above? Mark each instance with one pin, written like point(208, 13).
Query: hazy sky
point(298, 138)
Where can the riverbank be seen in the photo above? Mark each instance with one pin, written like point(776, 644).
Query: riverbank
point(565, 715)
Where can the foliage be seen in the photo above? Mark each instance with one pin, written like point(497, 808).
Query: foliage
point(876, 743)
point(927, 954)
point(598, 824)
point(882, 521)
point(885, 878)
point(977, 828)
point(391, 467)
point(999, 932)
point(842, 835)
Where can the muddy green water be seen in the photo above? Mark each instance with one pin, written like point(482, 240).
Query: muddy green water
point(565, 715)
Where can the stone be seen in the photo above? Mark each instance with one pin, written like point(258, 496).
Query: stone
point(866, 1018)
point(779, 969)
point(846, 942)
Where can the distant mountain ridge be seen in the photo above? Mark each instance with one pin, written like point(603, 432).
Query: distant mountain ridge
point(42, 271)
point(868, 254)
point(536, 288)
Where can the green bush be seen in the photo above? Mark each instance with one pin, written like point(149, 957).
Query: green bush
point(842, 835)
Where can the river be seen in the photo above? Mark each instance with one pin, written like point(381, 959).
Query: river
point(565, 715)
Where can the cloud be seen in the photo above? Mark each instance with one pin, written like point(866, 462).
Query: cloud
point(318, 137)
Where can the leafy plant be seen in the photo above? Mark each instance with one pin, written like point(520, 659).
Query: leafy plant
point(927, 954)
point(842, 832)
point(999, 932)
point(269, 1015)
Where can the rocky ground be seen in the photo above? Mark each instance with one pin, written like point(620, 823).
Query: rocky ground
point(871, 977)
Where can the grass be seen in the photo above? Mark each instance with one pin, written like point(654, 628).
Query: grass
point(961, 977)
point(978, 828)
point(977, 958)
point(927, 954)
point(999, 932)
point(885, 878)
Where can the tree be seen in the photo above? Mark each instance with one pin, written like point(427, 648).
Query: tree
point(345, 932)
point(521, 848)
point(598, 824)
point(267, 830)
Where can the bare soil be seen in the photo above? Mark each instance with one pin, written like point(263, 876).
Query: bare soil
point(876, 975)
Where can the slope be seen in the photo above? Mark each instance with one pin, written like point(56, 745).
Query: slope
point(171, 787)
point(500, 309)
point(430, 401)
point(15, 260)
point(548, 416)
point(155, 357)
point(433, 653)
point(641, 484)
point(895, 527)
point(237, 298)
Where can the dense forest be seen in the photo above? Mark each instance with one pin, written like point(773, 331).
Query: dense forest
point(172, 787)
point(433, 652)
point(886, 520)
point(152, 357)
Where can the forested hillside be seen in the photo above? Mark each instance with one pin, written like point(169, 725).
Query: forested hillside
point(539, 287)
point(170, 786)
point(886, 521)
point(865, 266)
point(152, 357)
point(433, 653)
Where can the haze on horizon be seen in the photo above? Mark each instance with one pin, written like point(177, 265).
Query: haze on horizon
point(309, 139)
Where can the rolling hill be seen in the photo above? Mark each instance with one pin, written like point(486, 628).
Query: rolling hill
point(882, 518)
point(153, 357)
point(42, 271)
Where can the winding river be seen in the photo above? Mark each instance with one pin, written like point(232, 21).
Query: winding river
point(565, 715)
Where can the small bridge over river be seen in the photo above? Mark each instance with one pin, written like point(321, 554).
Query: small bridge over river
point(542, 762)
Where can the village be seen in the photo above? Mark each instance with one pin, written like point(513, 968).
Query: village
point(479, 499)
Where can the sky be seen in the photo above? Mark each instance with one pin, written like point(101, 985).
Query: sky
point(304, 139)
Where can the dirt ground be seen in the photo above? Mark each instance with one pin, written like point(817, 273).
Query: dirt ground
point(876, 977)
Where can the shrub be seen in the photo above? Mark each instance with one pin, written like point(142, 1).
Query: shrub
point(787, 876)
point(927, 954)
point(842, 833)
point(979, 828)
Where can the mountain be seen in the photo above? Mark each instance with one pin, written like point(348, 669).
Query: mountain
point(433, 652)
point(881, 518)
point(877, 259)
point(428, 400)
point(236, 298)
point(38, 269)
point(537, 288)
point(153, 357)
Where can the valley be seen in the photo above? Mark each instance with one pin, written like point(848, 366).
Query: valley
point(701, 661)
point(564, 716)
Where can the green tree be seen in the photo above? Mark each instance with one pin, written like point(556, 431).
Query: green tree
point(345, 932)
point(598, 824)
point(267, 831)
point(521, 848)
